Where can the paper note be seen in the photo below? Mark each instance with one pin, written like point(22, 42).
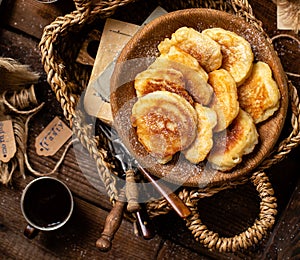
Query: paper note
point(52, 138)
point(114, 37)
point(7, 141)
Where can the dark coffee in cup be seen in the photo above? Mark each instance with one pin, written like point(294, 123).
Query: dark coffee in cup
point(46, 203)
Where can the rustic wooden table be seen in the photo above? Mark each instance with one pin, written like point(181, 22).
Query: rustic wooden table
point(229, 212)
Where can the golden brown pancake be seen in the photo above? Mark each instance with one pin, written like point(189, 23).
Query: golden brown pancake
point(237, 53)
point(194, 84)
point(259, 95)
point(199, 149)
point(177, 55)
point(229, 146)
point(161, 78)
point(225, 100)
point(205, 50)
point(165, 123)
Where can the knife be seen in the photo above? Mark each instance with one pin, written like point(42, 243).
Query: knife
point(128, 162)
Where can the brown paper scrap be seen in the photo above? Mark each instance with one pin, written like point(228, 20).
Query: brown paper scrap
point(7, 141)
point(52, 138)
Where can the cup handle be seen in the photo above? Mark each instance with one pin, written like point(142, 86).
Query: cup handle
point(30, 232)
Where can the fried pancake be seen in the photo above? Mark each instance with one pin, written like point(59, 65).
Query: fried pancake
point(177, 55)
point(205, 50)
point(161, 78)
point(165, 123)
point(259, 95)
point(237, 53)
point(199, 149)
point(225, 100)
point(195, 85)
point(229, 146)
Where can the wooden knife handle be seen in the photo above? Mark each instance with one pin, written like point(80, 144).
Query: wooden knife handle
point(176, 203)
point(112, 224)
point(144, 224)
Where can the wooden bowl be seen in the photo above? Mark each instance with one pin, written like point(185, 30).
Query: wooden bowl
point(141, 50)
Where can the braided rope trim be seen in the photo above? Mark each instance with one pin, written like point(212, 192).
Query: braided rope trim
point(211, 239)
point(244, 240)
point(106, 173)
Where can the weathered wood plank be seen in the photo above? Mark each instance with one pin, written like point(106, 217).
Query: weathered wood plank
point(73, 241)
point(83, 181)
point(173, 251)
point(22, 48)
point(285, 243)
point(31, 16)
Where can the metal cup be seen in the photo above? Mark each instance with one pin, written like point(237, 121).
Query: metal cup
point(47, 204)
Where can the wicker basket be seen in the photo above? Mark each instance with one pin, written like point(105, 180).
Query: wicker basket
point(68, 79)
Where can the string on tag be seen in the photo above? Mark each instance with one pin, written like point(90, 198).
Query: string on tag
point(14, 105)
point(28, 165)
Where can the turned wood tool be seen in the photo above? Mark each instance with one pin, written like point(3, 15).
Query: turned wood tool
point(112, 224)
point(131, 190)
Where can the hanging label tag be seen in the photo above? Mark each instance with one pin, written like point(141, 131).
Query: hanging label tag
point(7, 141)
point(52, 138)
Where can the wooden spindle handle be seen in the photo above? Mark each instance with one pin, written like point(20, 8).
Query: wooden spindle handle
point(112, 224)
point(131, 192)
point(176, 203)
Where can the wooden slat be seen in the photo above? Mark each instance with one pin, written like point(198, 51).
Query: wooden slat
point(285, 241)
point(288, 231)
point(173, 251)
point(265, 11)
point(78, 171)
point(31, 16)
point(21, 48)
point(73, 241)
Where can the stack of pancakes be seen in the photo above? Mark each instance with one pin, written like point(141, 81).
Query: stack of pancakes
point(203, 96)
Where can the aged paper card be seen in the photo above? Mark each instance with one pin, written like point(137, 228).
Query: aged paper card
point(7, 141)
point(52, 138)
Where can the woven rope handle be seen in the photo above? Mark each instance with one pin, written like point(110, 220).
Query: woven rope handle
point(252, 235)
point(83, 5)
point(93, 7)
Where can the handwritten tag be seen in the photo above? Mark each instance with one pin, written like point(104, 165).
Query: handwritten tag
point(52, 138)
point(7, 141)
